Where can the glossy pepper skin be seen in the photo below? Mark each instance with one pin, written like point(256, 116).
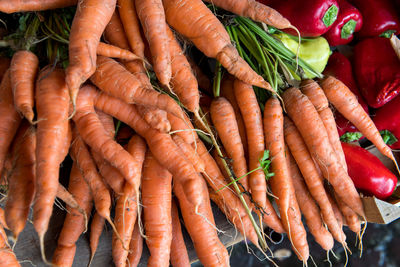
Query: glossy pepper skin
point(379, 16)
point(368, 173)
point(377, 71)
point(311, 17)
point(348, 21)
point(339, 66)
point(388, 118)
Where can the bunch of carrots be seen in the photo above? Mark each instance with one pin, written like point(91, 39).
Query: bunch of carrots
point(291, 153)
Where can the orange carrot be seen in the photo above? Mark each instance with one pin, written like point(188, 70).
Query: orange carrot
point(184, 83)
point(130, 21)
point(68, 198)
point(254, 10)
point(96, 228)
point(350, 217)
point(317, 97)
point(33, 5)
point(251, 114)
point(156, 118)
point(135, 247)
point(308, 207)
point(347, 104)
point(223, 117)
point(227, 200)
point(156, 199)
point(21, 186)
point(190, 153)
point(281, 184)
point(114, 79)
point(183, 128)
point(312, 178)
point(174, 161)
point(228, 93)
point(23, 70)
point(99, 140)
point(52, 104)
point(127, 205)
point(9, 118)
point(312, 129)
point(179, 255)
point(152, 17)
point(7, 256)
point(108, 50)
point(87, 27)
point(199, 222)
point(74, 223)
point(195, 21)
point(110, 174)
point(114, 32)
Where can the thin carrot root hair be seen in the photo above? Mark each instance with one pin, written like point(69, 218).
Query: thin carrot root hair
point(347, 256)
point(42, 251)
point(196, 210)
point(327, 257)
point(361, 234)
point(312, 259)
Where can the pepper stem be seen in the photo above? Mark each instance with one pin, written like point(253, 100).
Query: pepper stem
point(348, 29)
point(330, 15)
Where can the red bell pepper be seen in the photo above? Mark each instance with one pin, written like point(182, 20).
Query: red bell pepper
point(311, 17)
point(380, 18)
point(368, 173)
point(387, 118)
point(348, 21)
point(339, 66)
point(377, 71)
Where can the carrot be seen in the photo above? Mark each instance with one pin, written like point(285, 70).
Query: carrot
point(21, 187)
point(317, 97)
point(4, 65)
point(190, 153)
point(227, 200)
point(196, 22)
point(99, 191)
point(33, 5)
point(281, 184)
point(156, 200)
point(152, 17)
point(199, 222)
point(52, 104)
point(127, 208)
point(179, 255)
point(64, 195)
point(184, 83)
point(223, 117)
point(90, 20)
point(96, 228)
point(9, 118)
point(74, 223)
point(156, 118)
point(183, 128)
point(308, 207)
point(7, 256)
point(23, 70)
point(174, 161)
point(254, 10)
point(228, 93)
point(347, 104)
point(251, 114)
point(312, 129)
point(114, 79)
point(135, 246)
point(350, 217)
point(312, 178)
point(114, 32)
point(127, 12)
point(110, 174)
point(108, 50)
point(99, 140)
